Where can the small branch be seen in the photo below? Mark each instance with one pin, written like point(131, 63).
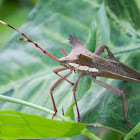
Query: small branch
point(18, 101)
point(21, 102)
point(90, 135)
point(133, 132)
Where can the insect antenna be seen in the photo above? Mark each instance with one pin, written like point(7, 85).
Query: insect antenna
point(27, 39)
point(23, 39)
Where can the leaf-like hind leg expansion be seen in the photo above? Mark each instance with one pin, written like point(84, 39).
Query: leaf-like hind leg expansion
point(74, 90)
point(119, 93)
point(53, 87)
point(61, 69)
point(101, 49)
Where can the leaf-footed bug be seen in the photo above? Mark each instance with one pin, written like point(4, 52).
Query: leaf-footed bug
point(82, 60)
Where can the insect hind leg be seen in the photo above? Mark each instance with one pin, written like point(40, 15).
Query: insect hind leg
point(119, 93)
point(101, 49)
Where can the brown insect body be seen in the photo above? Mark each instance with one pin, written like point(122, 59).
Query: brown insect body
point(82, 60)
point(117, 70)
point(107, 67)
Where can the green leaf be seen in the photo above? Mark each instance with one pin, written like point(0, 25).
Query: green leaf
point(113, 135)
point(99, 32)
point(70, 112)
point(24, 103)
point(17, 125)
point(133, 132)
point(27, 74)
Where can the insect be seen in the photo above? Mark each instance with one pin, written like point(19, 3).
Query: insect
point(82, 60)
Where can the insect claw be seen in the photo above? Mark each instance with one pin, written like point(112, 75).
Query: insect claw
point(54, 114)
point(62, 111)
point(78, 121)
point(72, 83)
point(129, 125)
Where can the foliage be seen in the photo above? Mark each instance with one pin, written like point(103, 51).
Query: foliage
point(33, 126)
point(26, 73)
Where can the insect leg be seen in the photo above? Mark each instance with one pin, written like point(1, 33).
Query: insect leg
point(101, 49)
point(61, 69)
point(119, 93)
point(74, 90)
point(63, 51)
point(53, 87)
point(36, 45)
point(63, 111)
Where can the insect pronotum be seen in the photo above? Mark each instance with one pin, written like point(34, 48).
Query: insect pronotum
point(82, 60)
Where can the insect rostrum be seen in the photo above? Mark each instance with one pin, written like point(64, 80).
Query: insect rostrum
point(82, 60)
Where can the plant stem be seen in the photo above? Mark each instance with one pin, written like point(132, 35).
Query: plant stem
point(18, 101)
point(90, 135)
point(133, 132)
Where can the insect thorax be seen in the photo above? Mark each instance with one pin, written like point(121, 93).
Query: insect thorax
point(83, 68)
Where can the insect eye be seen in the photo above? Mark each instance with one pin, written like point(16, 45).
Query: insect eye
point(64, 61)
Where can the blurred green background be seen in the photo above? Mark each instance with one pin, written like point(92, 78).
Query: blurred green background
point(119, 29)
point(14, 12)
